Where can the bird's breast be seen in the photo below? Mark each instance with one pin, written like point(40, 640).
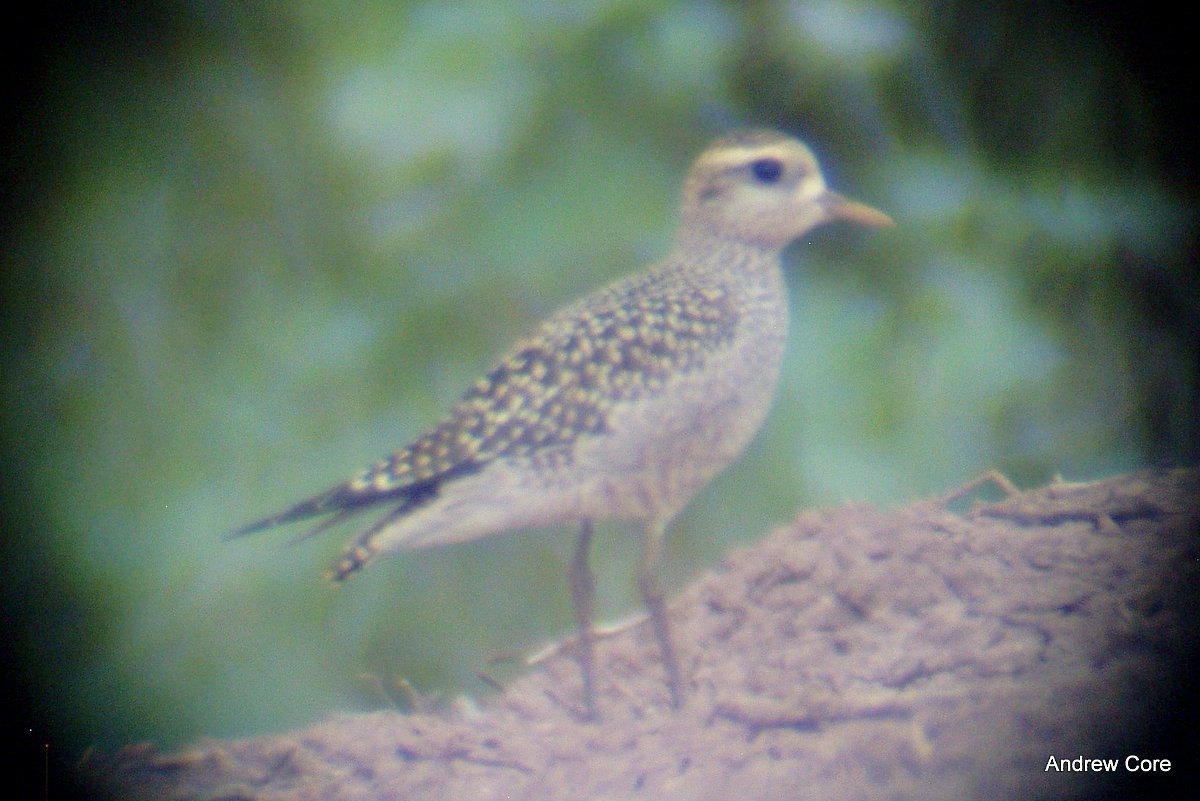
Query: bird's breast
point(659, 449)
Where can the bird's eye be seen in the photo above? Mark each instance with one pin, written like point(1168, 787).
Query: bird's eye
point(767, 171)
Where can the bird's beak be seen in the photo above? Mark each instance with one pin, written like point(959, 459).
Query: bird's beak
point(840, 207)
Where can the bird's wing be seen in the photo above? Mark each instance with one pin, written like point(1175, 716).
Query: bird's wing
point(553, 388)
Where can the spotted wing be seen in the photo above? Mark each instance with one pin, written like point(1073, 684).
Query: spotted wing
point(554, 388)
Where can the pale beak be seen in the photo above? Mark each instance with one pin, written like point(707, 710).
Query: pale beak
point(840, 207)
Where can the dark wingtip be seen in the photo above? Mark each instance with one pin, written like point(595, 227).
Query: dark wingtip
point(252, 528)
point(331, 502)
point(345, 500)
point(339, 503)
point(323, 525)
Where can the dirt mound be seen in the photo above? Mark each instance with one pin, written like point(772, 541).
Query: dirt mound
point(915, 653)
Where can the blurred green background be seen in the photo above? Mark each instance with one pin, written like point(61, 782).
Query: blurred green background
point(252, 247)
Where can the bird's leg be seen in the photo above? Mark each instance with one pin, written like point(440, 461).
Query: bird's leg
point(652, 542)
point(583, 588)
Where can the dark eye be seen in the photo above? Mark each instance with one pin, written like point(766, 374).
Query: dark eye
point(767, 171)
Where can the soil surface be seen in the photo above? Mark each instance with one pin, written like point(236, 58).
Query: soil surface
point(916, 653)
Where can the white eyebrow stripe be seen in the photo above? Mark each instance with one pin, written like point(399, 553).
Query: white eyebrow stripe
point(741, 156)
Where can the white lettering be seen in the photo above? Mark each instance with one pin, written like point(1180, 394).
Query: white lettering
point(1134, 763)
point(1082, 764)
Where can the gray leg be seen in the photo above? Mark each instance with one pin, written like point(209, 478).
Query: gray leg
point(652, 541)
point(583, 588)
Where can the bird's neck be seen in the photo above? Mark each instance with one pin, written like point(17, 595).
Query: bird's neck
point(745, 263)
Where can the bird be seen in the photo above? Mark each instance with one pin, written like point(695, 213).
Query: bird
point(621, 405)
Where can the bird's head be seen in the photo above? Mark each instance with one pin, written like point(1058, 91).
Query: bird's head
point(765, 189)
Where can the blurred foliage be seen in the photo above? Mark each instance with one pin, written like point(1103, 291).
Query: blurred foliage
point(252, 248)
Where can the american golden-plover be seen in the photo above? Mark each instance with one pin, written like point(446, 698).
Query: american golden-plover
point(621, 405)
